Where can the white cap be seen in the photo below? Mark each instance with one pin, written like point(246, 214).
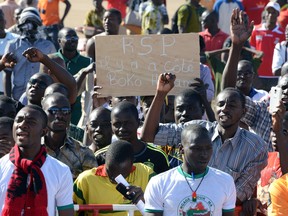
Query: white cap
point(274, 5)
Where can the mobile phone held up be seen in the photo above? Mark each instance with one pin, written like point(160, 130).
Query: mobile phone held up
point(123, 190)
point(275, 98)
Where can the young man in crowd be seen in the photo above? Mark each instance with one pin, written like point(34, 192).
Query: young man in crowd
point(28, 186)
point(57, 141)
point(99, 129)
point(125, 122)
point(98, 185)
point(28, 23)
point(193, 187)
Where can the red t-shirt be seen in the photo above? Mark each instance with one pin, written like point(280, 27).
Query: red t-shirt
point(213, 42)
point(119, 5)
point(283, 16)
point(254, 9)
point(265, 40)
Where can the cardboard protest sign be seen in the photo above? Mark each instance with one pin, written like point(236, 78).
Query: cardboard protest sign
point(130, 65)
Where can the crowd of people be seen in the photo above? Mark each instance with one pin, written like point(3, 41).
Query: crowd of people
point(219, 147)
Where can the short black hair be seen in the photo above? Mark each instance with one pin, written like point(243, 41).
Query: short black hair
point(194, 129)
point(115, 12)
point(190, 93)
point(126, 106)
point(58, 87)
point(242, 97)
point(214, 14)
point(6, 99)
point(101, 109)
point(6, 121)
point(65, 29)
point(248, 63)
point(41, 111)
point(119, 152)
point(55, 94)
point(48, 79)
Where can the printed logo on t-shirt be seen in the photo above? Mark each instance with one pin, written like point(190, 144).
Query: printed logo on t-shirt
point(202, 207)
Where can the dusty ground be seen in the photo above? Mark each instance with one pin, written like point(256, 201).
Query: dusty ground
point(79, 9)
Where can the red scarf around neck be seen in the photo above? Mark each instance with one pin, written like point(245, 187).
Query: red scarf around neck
point(23, 197)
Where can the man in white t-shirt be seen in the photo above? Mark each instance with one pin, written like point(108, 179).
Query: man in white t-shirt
point(191, 188)
point(32, 182)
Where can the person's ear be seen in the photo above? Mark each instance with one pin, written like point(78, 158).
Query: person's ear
point(44, 131)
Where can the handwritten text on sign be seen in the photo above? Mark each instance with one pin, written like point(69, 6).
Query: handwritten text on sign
point(130, 65)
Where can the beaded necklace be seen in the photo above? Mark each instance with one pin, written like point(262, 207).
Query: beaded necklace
point(194, 193)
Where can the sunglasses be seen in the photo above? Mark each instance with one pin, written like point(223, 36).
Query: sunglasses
point(41, 84)
point(70, 38)
point(245, 74)
point(63, 110)
point(95, 124)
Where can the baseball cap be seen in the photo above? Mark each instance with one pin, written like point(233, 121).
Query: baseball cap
point(274, 5)
point(30, 13)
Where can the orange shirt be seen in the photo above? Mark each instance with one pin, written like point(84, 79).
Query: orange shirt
point(278, 194)
point(49, 11)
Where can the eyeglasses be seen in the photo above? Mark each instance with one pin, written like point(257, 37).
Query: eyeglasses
point(41, 84)
point(245, 74)
point(95, 124)
point(63, 110)
point(70, 38)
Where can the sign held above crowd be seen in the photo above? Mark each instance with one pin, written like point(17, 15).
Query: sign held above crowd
point(129, 65)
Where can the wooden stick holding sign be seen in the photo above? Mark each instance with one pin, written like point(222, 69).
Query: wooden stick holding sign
point(130, 65)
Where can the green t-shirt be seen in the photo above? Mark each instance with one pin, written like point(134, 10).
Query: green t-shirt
point(74, 65)
point(191, 25)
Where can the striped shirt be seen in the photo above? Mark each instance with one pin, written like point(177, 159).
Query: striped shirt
point(258, 118)
point(243, 156)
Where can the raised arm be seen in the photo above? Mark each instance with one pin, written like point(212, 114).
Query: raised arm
point(35, 55)
point(164, 85)
point(199, 86)
point(7, 61)
point(81, 75)
point(67, 9)
point(240, 32)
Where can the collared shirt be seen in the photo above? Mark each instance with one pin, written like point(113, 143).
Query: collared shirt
point(213, 42)
point(25, 69)
point(280, 55)
point(243, 156)
point(74, 65)
point(258, 118)
point(257, 94)
point(77, 157)
point(265, 40)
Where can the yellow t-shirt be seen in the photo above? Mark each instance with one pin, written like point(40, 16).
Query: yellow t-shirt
point(279, 197)
point(94, 187)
